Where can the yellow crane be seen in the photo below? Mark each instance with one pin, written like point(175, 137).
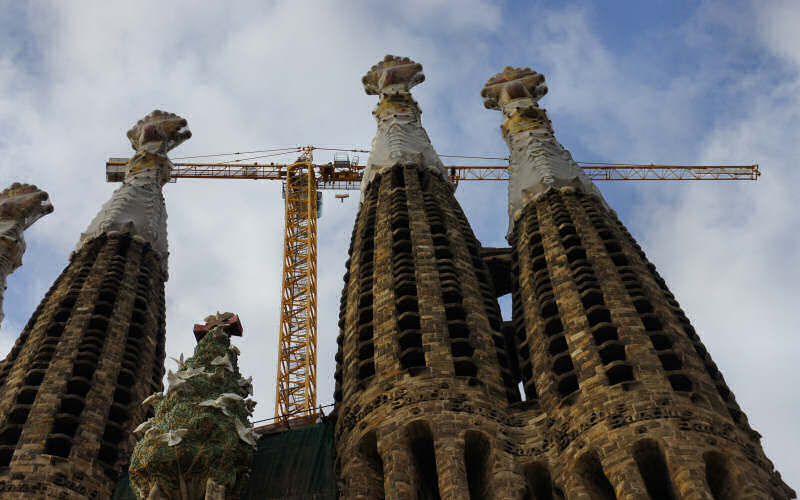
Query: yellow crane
point(296, 381)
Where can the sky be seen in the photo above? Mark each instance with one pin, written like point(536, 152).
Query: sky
point(701, 82)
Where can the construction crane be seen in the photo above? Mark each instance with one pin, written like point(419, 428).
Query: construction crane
point(296, 382)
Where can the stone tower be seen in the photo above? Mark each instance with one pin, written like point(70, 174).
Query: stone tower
point(634, 406)
point(20, 206)
point(71, 387)
point(422, 356)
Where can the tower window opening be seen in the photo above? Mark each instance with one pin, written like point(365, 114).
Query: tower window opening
point(368, 452)
point(653, 467)
point(476, 458)
point(590, 471)
point(540, 485)
point(424, 459)
point(718, 476)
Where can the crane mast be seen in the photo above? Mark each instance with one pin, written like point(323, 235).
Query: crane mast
point(296, 387)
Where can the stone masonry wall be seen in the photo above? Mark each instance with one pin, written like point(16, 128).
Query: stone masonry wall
point(621, 399)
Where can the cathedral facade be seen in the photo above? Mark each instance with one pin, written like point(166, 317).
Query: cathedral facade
point(619, 400)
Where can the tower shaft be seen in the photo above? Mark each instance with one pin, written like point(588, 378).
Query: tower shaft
point(421, 344)
point(635, 406)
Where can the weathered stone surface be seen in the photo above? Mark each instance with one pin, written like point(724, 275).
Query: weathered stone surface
point(20, 206)
point(422, 356)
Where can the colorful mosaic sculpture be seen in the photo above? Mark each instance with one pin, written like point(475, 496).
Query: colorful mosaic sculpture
point(199, 444)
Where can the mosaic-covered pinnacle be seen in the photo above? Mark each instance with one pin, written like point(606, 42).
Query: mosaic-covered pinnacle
point(20, 206)
point(400, 139)
point(393, 74)
point(137, 207)
point(537, 161)
point(199, 443)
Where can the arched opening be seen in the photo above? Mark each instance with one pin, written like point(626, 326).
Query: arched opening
point(653, 467)
point(590, 472)
point(476, 458)
point(368, 450)
point(424, 456)
point(718, 476)
point(540, 485)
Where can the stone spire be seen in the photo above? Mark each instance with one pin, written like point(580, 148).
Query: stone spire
point(20, 206)
point(71, 387)
point(199, 445)
point(538, 161)
point(137, 207)
point(400, 139)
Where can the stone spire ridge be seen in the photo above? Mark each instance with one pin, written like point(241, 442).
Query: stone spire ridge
point(538, 162)
point(20, 206)
point(400, 139)
point(137, 207)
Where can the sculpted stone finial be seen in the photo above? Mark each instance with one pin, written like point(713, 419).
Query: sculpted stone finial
point(158, 132)
point(537, 161)
point(400, 139)
point(137, 207)
point(392, 75)
point(20, 206)
point(511, 84)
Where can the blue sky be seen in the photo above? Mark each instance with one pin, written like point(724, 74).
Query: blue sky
point(670, 82)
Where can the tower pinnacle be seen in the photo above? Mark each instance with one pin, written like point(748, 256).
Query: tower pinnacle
point(538, 161)
point(400, 139)
point(137, 207)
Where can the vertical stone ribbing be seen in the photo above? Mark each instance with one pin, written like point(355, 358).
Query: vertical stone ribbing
point(604, 329)
point(540, 334)
point(406, 299)
point(458, 330)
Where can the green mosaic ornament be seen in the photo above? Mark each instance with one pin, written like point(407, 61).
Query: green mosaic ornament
point(200, 440)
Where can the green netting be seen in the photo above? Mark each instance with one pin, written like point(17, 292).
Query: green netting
point(123, 491)
point(290, 465)
point(293, 465)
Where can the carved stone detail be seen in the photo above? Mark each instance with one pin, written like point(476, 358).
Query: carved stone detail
point(20, 206)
